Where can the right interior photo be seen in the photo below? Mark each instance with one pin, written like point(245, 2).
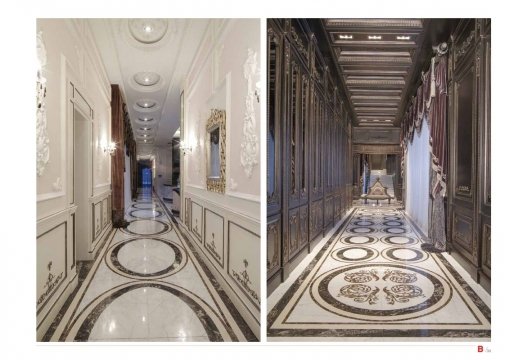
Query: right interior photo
point(378, 179)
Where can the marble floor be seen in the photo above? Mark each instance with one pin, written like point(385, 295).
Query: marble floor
point(370, 280)
point(148, 284)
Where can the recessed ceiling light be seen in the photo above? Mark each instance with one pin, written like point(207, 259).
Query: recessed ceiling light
point(374, 37)
point(144, 140)
point(146, 103)
point(403, 37)
point(147, 28)
point(146, 78)
point(345, 36)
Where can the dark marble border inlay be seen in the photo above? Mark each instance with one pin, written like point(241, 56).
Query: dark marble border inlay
point(365, 221)
point(167, 227)
point(115, 265)
point(393, 223)
point(208, 324)
point(339, 254)
point(378, 333)
point(283, 301)
point(352, 230)
point(347, 240)
point(159, 214)
point(388, 230)
point(419, 255)
point(392, 218)
point(434, 298)
point(244, 327)
point(387, 240)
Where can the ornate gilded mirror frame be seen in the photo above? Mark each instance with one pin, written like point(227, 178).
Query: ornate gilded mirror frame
point(216, 181)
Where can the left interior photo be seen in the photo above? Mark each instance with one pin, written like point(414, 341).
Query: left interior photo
point(148, 180)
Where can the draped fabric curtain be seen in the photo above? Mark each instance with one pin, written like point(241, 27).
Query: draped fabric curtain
point(430, 103)
point(417, 181)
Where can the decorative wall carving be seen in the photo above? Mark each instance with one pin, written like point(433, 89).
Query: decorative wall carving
point(42, 126)
point(244, 279)
point(233, 184)
point(249, 145)
point(463, 48)
point(57, 185)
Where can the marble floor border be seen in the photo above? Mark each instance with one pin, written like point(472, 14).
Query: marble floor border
point(67, 321)
point(291, 333)
point(241, 323)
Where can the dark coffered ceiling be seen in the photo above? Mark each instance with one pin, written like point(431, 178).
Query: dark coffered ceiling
point(376, 59)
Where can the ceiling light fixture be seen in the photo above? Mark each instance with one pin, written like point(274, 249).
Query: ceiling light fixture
point(403, 37)
point(374, 37)
point(147, 28)
point(345, 36)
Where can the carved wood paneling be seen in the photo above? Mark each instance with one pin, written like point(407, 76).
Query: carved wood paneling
point(294, 229)
point(486, 250)
point(273, 245)
point(469, 213)
point(308, 140)
point(303, 224)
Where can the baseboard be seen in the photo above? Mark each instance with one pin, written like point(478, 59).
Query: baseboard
point(251, 320)
point(43, 327)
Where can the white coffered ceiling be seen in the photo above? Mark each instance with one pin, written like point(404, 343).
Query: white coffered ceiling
point(149, 59)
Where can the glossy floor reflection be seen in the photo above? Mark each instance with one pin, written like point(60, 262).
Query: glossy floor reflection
point(371, 279)
point(148, 285)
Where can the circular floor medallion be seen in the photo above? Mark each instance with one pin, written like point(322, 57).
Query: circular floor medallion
point(146, 227)
point(361, 230)
point(358, 240)
point(146, 258)
point(404, 255)
point(391, 218)
point(354, 254)
point(393, 223)
point(399, 240)
point(364, 223)
point(145, 213)
point(146, 206)
point(381, 292)
point(395, 230)
point(91, 317)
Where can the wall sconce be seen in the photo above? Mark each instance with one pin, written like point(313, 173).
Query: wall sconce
point(110, 148)
point(185, 148)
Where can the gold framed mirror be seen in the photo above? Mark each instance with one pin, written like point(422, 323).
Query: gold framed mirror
point(216, 151)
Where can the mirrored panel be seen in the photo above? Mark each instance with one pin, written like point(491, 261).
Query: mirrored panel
point(216, 151)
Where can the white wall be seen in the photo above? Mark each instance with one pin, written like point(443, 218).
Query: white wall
point(417, 162)
point(163, 158)
point(226, 227)
point(72, 58)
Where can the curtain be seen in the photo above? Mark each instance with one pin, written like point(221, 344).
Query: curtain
point(417, 182)
point(438, 113)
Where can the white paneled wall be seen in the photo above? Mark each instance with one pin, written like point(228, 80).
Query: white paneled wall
point(75, 79)
point(226, 227)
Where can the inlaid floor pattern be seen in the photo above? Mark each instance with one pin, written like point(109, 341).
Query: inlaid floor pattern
point(147, 285)
point(373, 280)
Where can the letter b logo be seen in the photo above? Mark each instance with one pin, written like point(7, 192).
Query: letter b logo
point(480, 348)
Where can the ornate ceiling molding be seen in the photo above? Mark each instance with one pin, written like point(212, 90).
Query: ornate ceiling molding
point(384, 23)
